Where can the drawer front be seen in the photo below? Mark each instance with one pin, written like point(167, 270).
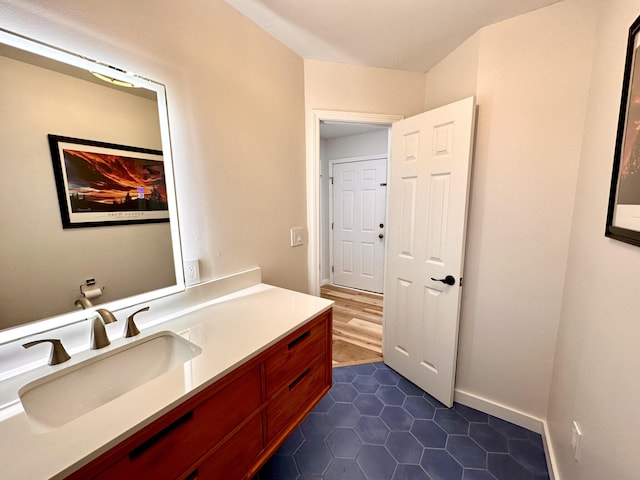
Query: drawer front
point(228, 408)
point(168, 453)
point(295, 400)
point(234, 459)
point(165, 455)
point(295, 355)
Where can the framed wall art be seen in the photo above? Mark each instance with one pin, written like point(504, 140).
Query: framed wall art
point(102, 184)
point(623, 216)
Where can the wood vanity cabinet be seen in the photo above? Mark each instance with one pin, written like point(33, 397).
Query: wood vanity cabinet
point(230, 429)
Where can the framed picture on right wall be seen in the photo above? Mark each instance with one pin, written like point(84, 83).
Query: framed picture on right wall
point(623, 216)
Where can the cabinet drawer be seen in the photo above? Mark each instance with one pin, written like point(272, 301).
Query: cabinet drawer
point(174, 448)
point(295, 354)
point(295, 401)
point(224, 411)
point(236, 456)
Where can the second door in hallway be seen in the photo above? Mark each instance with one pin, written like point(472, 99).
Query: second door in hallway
point(358, 208)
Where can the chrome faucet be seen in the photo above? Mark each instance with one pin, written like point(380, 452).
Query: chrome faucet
point(58, 353)
point(99, 338)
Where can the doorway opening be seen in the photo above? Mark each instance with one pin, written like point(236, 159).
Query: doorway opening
point(353, 163)
point(353, 207)
point(314, 178)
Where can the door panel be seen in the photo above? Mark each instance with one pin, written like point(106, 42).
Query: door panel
point(407, 216)
point(428, 194)
point(359, 203)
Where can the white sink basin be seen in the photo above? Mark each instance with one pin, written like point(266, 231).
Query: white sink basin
point(63, 396)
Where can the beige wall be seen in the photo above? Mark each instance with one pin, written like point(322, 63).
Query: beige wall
point(531, 80)
point(236, 107)
point(455, 76)
point(596, 375)
point(353, 88)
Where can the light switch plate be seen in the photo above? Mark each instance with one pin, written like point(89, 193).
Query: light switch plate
point(297, 236)
point(576, 440)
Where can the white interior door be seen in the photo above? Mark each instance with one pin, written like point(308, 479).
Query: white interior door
point(358, 204)
point(428, 195)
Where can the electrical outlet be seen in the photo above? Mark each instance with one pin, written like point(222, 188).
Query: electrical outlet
point(296, 236)
point(191, 271)
point(576, 440)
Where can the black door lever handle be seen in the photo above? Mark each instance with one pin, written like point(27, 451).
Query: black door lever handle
point(448, 280)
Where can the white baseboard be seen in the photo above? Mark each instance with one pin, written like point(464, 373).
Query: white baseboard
point(324, 281)
point(509, 414)
point(516, 417)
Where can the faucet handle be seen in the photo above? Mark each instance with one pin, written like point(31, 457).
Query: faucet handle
point(58, 353)
point(131, 330)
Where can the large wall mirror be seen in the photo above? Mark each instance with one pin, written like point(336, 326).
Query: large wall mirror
point(44, 267)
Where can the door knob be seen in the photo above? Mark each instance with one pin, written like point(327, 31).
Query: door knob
point(380, 235)
point(448, 280)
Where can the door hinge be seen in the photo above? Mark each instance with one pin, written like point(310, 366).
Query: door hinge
point(331, 269)
point(460, 281)
point(331, 178)
point(331, 225)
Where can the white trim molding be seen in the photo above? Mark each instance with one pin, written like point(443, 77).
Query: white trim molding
point(516, 417)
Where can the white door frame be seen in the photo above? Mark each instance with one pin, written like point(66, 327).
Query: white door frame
point(331, 219)
point(314, 118)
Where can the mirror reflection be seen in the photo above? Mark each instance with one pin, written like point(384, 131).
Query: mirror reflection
point(45, 268)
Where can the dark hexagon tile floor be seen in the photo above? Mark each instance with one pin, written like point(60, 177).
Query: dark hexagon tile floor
point(376, 425)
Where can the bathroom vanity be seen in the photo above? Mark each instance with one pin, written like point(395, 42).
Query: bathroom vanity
point(265, 362)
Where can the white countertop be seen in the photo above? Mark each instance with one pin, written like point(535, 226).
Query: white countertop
point(230, 330)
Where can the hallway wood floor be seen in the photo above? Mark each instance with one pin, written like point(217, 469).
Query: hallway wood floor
point(357, 325)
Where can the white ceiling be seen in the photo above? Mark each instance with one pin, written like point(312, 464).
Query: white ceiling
point(400, 34)
point(330, 130)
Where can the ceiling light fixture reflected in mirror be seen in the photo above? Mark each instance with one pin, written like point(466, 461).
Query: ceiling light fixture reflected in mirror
point(114, 81)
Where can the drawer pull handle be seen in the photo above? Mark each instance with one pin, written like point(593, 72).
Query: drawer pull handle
point(299, 379)
point(301, 338)
point(146, 445)
point(193, 475)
